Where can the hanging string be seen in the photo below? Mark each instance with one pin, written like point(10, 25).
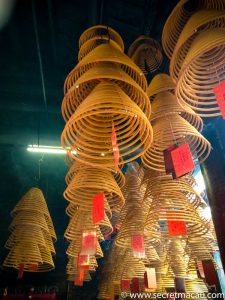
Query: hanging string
point(39, 54)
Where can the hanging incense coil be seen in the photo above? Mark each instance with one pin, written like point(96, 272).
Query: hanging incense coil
point(198, 22)
point(75, 167)
point(89, 182)
point(96, 35)
point(78, 222)
point(160, 83)
point(92, 123)
point(106, 53)
point(165, 103)
point(103, 71)
point(169, 131)
point(178, 261)
point(179, 17)
point(195, 84)
point(146, 53)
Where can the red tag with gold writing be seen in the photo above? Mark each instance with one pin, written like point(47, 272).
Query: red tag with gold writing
point(89, 242)
point(98, 213)
point(177, 228)
point(219, 91)
point(138, 246)
point(20, 271)
point(182, 161)
point(83, 261)
point(115, 147)
point(125, 285)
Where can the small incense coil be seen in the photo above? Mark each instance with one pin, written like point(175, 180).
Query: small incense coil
point(198, 22)
point(87, 276)
point(177, 259)
point(151, 256)
point(88, 182)
point(179, 17)
point(201, 248)
point(169, 131)
point(99, 33)
point(195, 84)
point(146, 53)
point(32, 218)
point(103, 71)
point(92, 123)
point(160, 83)
point(165, 103)
point(106, 53)
point(80, 222)
point(75, 167)
point(72, 264)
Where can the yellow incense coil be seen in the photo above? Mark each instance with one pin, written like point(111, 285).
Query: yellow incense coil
point(89, 182)
point(198, 22)
point(103, 71)
point(146, 53)
point(170, 130)
point(100, 33)
point(160, 83)
point(92, 123)
point(196, 83)
point(165, 103)
point(179, 17)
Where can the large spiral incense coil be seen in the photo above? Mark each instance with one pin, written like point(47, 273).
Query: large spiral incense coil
point(179, 17)
point(92, 123)
point(89, 182)
point(104, 71)
point(170, 130)
point(165, 103)
point(195, 84)
point(199, 22)
point(160, 83)
point(95, 36)
point(146, 53)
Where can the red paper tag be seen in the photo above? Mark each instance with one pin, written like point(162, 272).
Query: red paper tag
point(79, 278)
point(176, 228)
point(150, 279)
point(89, 242)
point(20, 271)
point(219, 91)
point(168, 159)
point(33, 267)
point(182, 160)
point(135, 288)
point(98, 213)
point(200, 269)
point(115, 146)
point(125, 285)
point(138, 246)
point(180, 285)
point(83, 262)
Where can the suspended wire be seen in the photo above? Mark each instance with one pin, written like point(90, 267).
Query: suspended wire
point(39, 54)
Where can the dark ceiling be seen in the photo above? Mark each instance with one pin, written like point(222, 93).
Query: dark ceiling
point(28, 117)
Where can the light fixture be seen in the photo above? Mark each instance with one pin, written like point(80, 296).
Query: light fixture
point(48, 149)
